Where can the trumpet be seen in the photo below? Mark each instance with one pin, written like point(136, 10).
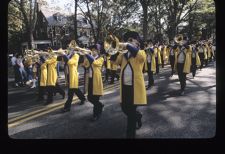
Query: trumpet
point(51, 53)
point(81, 51)
point(112, 45)
point(31, 57)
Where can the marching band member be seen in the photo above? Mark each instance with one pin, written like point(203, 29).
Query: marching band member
point(94, 64)
point(113, 73)
point(195, 61)
point(72, 62)
point(34, 71)
point(182, 61)
point(42, 78)
point(171, 58)
point(212, 52)
point(52, 85)
point(132, 85)
point(108, 67)
point(200, 50)
point(209, 55)
point(150, 64)
point(157, 57)
point(205, 54)
point(163, 56)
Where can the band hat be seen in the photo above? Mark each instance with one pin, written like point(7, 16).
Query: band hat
point(97, 47)
point(131, 34)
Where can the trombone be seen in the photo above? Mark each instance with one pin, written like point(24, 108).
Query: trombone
point(81, 51)
point(112, 45)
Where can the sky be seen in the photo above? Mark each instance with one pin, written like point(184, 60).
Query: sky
point(64, 5)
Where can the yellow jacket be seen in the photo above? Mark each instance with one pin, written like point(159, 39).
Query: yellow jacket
point(187, 63)
point(73, 73)
point(97, 74)
point(164, 53)
point(208, 51)
point(108, 64)
point(153, 63)
point(198, 62)
point(43, 77)
point(52, 73)
point(113, 67)
point(157, 51)
point(137, 63)
point(205, 53)
point(168, 52)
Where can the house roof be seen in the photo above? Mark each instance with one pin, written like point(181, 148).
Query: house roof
point(49, 15)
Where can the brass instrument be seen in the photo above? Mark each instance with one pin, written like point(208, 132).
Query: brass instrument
point(179, 39)
point(81, 51)
point(112, 45)
point(30, 57)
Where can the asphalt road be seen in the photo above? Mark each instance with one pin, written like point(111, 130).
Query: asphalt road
point(167, 115)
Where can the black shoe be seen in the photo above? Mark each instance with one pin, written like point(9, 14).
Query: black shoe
point(95, 118)
point(105, 81)
point(182, 93)
point(48, 102)
point(82, 102)
point(98, 113)
point(63, 95)
point(148, 87)
point(65, 110)
point(139, 122)
point(40, 99)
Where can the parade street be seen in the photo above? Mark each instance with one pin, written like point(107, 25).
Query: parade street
point(167, 114)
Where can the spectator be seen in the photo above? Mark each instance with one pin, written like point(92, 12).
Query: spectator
point(15, 68)
point(34, 70)
point(22, 72)
point(28, 69)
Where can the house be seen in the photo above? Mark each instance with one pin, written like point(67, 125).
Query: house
point(56, 29)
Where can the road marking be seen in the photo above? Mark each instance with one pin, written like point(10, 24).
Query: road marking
point(52, 105)
point(31, 115)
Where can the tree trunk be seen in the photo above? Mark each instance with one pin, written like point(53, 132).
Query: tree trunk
point(30, 39)
point(75, 21)
point(91, 23)
point(145, 22)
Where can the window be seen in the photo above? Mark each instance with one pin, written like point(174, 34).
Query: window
point(59, 18)
point(66, 31)
point(85, 21)
point(57, 29)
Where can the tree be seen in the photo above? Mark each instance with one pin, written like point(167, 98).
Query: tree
point(144, 4)
point(75, 19)
point(178, 12)
point(28, 9)
point(15, 25)
point(157, 18)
